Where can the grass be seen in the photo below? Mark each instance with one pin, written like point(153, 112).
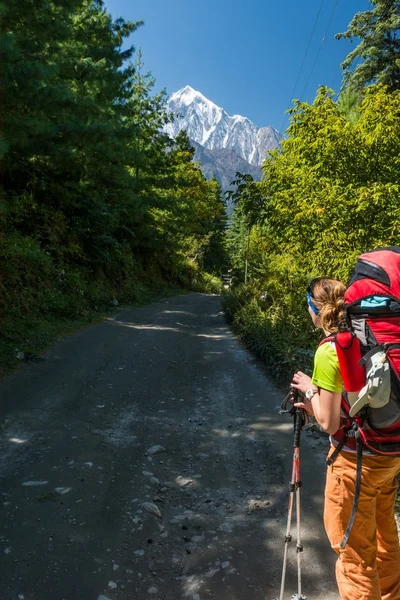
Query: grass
point(34, 335)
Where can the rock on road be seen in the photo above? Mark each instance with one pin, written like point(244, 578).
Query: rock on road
point(145, 460)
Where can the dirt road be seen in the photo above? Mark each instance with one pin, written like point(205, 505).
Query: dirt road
point(145, 460)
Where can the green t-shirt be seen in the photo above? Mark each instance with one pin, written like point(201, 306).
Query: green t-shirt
point(326, 373)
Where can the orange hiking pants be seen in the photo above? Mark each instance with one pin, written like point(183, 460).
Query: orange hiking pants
point(369, 567)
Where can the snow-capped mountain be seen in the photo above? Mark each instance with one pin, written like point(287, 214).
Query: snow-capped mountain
point(212, 127)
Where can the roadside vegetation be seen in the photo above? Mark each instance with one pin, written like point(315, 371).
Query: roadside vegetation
point(329, 193)
point(98, 206)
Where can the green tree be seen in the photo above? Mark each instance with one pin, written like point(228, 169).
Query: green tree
point(379, 48)
point(249, 210)
point(216, 258)
point(182, 143)
point(201, 211)
point(330, 193)
point(237, 243)
point(64, 174)
point(149, 163)
point(93, 191)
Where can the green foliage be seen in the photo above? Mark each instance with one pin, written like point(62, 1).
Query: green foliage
point(249, 202)
point(379, 47)
point(207, 283)
point(237, 242)
point(216, 258)
point(182, 144)
point(248, 198)
point(333, 189)
point(330, 193)
point(349, 103)
point(97, 202)
point(283, 343)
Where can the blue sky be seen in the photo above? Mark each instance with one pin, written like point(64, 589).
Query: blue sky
point(243, 55)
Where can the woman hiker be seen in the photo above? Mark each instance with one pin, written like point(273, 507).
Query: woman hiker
point(368, 568)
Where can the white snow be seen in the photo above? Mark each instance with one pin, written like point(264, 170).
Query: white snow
point(187, 95)
point(212, 127)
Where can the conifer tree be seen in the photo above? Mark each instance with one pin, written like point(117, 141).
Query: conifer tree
point(182, 144)
point(93, 191)
point(249, 210)
point(216, 257)
point(379, 48)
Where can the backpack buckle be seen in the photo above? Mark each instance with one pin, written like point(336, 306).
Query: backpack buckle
point(353, 432)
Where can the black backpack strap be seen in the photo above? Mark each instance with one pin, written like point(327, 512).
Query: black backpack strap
point(331, 459)
point(349, 429)
point(357, 491)
point(370, 353)
point(353, 430)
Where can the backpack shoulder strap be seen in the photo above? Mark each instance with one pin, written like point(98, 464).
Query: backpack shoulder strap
point(330, 338)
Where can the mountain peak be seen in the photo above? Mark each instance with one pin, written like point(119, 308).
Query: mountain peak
point(187, 95)
point(186, 92)
point(212, 127)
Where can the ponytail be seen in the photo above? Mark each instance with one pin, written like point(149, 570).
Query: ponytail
point(328, 298)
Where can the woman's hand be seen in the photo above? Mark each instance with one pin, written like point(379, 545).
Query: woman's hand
point(306, 404)
point(301, 382)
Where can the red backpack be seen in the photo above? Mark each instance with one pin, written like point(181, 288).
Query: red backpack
point(369, 359)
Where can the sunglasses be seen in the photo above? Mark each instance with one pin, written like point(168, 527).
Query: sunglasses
point(311, 304)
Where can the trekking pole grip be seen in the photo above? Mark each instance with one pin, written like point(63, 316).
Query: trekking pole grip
point(298, 422)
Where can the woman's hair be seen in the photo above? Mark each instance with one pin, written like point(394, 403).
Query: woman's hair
point(327, 295)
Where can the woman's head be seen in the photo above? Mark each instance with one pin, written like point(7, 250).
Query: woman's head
point(326, 302)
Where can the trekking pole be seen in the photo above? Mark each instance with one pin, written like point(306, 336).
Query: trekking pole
point(300, 419)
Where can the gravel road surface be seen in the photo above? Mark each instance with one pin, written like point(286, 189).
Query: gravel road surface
point(145, 459)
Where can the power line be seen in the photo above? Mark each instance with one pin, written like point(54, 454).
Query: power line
point(304, 57)
point(385, 13)
point(308, 47)
point(320, 46)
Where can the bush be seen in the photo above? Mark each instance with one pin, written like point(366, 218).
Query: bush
point(208, 284)
point(285, 344)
